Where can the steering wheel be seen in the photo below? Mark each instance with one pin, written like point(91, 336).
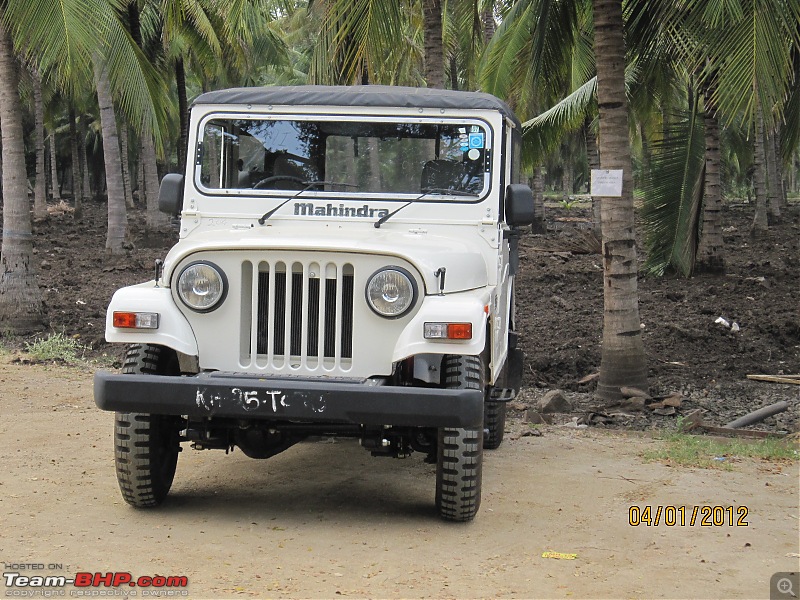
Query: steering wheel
point(267, 180)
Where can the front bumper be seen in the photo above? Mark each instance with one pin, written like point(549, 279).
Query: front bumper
point(273, 399)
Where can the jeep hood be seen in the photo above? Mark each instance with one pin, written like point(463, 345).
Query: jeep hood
point(466, 268)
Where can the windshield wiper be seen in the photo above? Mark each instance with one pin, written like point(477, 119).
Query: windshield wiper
point(425, 192)
point(308, 185)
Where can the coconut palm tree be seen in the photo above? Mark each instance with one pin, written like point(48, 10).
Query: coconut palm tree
point(60, 39)
point(117, 212)
point(358, 40)
point(400, 43)
point(434, 48)
point(556, 31)
point(743, 64)
point(21, 309)
point(710, 257)
point(622, 361)
point(40, 186)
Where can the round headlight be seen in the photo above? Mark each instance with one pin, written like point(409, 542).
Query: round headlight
point(391, 292)
point(202, 286)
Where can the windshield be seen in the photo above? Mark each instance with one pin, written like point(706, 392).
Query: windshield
point(375, 157)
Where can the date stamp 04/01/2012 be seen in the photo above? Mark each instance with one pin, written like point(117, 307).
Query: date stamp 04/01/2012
point(688, 516)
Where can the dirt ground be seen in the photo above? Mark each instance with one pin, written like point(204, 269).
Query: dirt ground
point(352, 525)
point(326, 520)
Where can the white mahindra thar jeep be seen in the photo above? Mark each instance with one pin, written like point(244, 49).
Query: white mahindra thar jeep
point(345, 268)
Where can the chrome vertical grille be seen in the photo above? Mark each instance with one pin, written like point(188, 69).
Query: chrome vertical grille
point(297, 313)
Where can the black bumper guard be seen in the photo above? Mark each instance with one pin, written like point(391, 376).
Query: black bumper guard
point(274, 399)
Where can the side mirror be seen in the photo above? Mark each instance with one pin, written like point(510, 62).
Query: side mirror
point(170, 194)
point(519, 205)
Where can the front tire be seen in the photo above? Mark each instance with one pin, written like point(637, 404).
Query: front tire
point(460, 451)
point(146, 446)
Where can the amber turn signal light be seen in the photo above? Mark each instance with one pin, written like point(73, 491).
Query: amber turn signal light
point(135, 320)
point(447, 331)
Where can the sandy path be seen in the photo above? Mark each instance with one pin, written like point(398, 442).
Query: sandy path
point(327, 520)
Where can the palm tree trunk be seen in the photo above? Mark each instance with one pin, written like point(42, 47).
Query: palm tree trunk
point(154, 219)
point(183, 113)
point(54, 167)
point(21, 309)
point(647, 155)
point(117, 215)
point(453, 73)
point(537, 185)
point(760, 223)
point(434, 48)
point(87, 181)
point(77, 180)
point(775, 193)
point(40, 187)
point(622, 360)
point(140, 174)
point(488, 25)
point(593, 161)
point(126, 177)
point(566, 180)
point(709, 252)
point(783, 199)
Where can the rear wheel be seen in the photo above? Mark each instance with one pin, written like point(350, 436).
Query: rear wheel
point(146, 446)
point(460, 451)
point(494, 424)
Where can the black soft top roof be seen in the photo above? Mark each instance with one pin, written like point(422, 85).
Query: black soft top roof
point(385, 96)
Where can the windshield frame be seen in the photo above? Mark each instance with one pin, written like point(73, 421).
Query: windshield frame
point(347, 193)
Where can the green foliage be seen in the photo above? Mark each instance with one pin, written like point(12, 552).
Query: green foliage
point(539, 49)
point(569, 203)
point(542, 134)
point(56, 346)
point(65, 38)
point(697, 451)
point(673, 191)
point(790, 132)
point(748, 53)
point(357, 35)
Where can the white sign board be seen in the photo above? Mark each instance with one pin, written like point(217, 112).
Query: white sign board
point(606, 182)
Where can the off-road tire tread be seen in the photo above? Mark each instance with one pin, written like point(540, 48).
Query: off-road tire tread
point(145, 446)
point(494, 420)
point(460, 451)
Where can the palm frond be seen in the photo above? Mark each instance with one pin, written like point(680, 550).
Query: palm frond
point(543, 133)
point(58, 36)
point(502, 55)
point(582, 60)
point(673, 192)
point(138, 88)
point(750, 57)
point(790, 132)
point(356, 34)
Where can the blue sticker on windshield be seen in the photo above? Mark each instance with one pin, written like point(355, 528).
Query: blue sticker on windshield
point(476, 140)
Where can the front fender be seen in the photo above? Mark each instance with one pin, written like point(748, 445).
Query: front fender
point(464, 307)
point(173, 330)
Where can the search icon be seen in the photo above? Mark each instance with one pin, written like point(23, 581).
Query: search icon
point(785, 586)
